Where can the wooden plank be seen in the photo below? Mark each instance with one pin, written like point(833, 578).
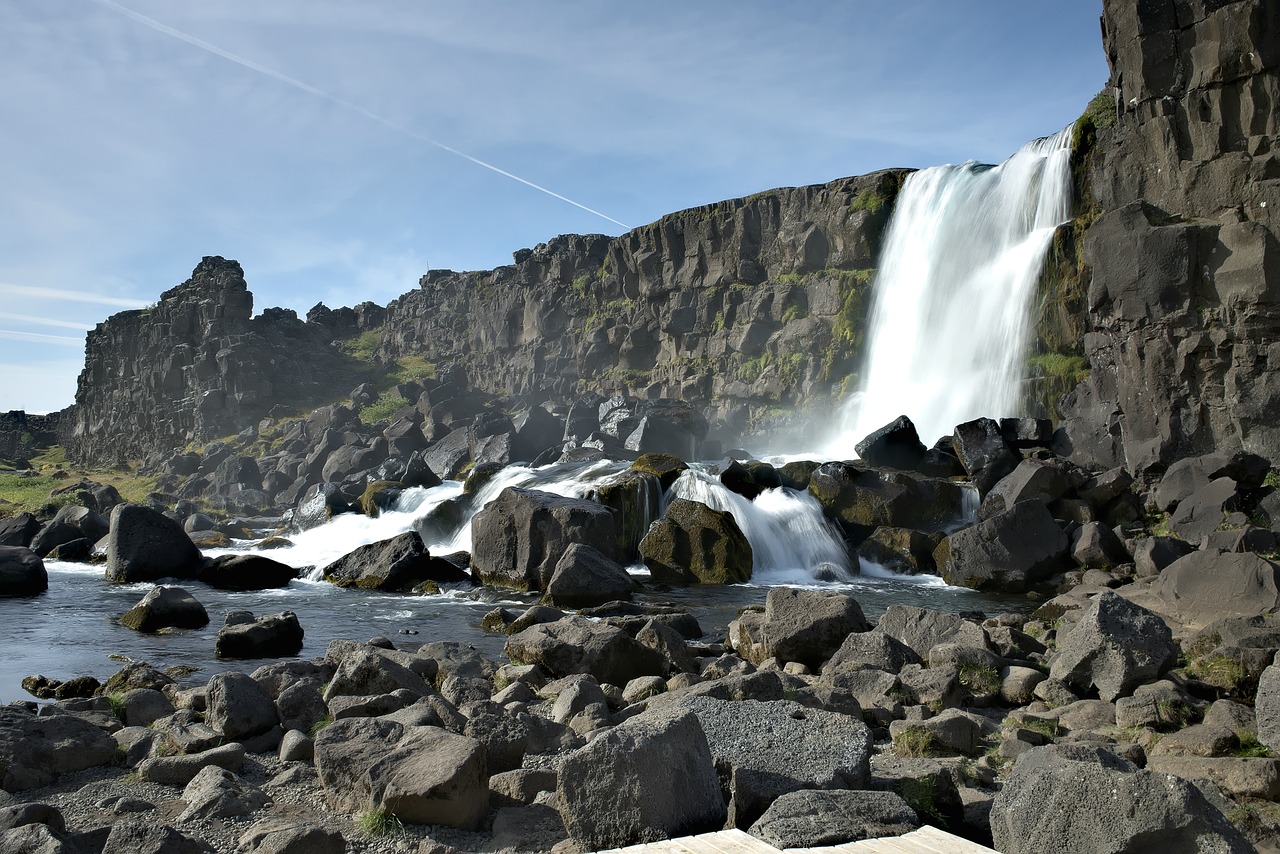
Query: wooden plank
point(926, 840)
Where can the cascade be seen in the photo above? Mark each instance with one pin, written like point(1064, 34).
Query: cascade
point(950, 322)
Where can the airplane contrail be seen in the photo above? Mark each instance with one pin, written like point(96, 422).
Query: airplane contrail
point(342, 102)
point(70, 296)
point(65, 340)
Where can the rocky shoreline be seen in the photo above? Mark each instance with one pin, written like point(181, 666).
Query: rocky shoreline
point(1146, 667)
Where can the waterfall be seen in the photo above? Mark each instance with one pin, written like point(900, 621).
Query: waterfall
point(786, 528)
point(950, 322)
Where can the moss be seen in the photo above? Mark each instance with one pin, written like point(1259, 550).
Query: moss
point(665, 467)
point(794, 313)
point(374, 501)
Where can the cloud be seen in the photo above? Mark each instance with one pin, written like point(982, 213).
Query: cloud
point(70, 295)
point(38, 387)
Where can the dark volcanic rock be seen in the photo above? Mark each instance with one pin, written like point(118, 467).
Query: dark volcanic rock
point(696, 544)
point(395, 564)
point(22, 572)
point(246, 572)
point(265, 637)
point(18, 530)
point(1008, 552)
point(163, 608)
point(895, 445)
point(145, 545)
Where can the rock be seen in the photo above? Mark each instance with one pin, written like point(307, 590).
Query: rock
point(181, 770)
point(432, 777)
point(1115, 647)
point(519, 537)
point(301, 705)
point(35, 839)
point(35, 751)
point(1032, 480)
point(584, 577)
point(814, 818)
point(950, 732)
point(367, 671)
point(1267, 708)
point(578, 645)
point(1201, 512)
point(520, 787)
point(345, 750)
point(140, 836)
point(983, 452)
point(1237, 777)
point(1098, 547)
point(146, 545)
point(296, 746)
point(270, 636)
point(1205, 586)
point(31, 813)
point(867, 650)
point(860, 499)
point(923, 628)
point(695, 544)
point(321, 503)
point(1009, 552)
point(640, 757)
point(670, 644)
point(1153, 554)
point(217, 793)
point(396, 564)
point(280, 836)
point(1102, 803)
point(806, 626)
point(19, 530)
point(246, 572)
point(144, 706)
point(767, 749)
point(22, 572)
point(166, 608)
point(895, 445)
point(900, 550)
point(53, 535)
point(238, 707)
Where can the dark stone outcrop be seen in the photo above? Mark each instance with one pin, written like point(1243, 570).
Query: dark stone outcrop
point(165, 608)
point(146, 545)
point(1008, 552)
point(22, 572)
point(395, 564)
point(696, 544)
point(1182, 297)
point(274, 635)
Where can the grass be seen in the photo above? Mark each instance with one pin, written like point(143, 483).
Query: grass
point(1250, 747)
point(320, 724)
point(1062, 366)
point(1043, 726)
point(52, 470)
point(915, 742)
point(378, 822)
point(1219, 671)
point(921, 796)
point(980, 679)
point(1175, 713)
point(793, 313)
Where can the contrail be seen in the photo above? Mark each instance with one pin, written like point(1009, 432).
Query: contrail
point(45, 321)
point(70, 296)
point(342, 102)
point(40, 336)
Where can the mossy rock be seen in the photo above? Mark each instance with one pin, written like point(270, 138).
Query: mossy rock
point(378, 496)
point(479, 478)
point(665, 467)
point(637, 498)
point(275, 543)
point(211, 539)
point(695, 544)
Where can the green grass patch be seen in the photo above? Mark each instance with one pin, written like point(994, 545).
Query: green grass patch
point(319, 725)
point(915, 742)
point(981, 679)
point(378, 823)
point(1061, 366)
point(921, 795)
point(1219, 671)
point(794, 313)
point(1250, 747)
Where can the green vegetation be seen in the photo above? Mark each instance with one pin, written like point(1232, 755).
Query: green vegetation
point(320, 724)
point(920, 795)
point(117, 705)
point(1175, 713)
point(981, 679)
point(794, 312)
point(1074, 369)
point(579, 285)
point(717, 325)
point(915, 742)
point(1221, 672)
point(1045, 727)
point(50, 470)
point(378, 822)
point(872, 200)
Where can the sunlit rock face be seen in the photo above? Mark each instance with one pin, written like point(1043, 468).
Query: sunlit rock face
point(1182, 314)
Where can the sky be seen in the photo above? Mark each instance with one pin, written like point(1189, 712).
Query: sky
point(338, 150)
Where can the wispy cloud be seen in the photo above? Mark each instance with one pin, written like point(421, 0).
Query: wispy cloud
point(66, 295)
point(64, 340)
point(45, 321)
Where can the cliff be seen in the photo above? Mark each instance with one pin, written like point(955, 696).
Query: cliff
point(1182, 267)
point(746, 307)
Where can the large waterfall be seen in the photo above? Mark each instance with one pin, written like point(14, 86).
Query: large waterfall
point(950, 322)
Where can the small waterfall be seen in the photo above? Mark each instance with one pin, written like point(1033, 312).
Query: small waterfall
point(950, 323)
point(786, 528)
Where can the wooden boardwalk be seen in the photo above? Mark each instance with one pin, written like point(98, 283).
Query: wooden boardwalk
point(926, 840)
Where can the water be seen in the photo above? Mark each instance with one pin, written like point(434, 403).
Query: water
point(951, 321)
point(950, 325)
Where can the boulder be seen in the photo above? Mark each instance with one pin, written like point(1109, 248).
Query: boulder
point(35, 751)
point(519, 537)
point(1207, 585)
point(1267, 708)
point(766, 749)
point(146, 836)
point(1153, 554)
point(983, 452)
point(805, 626)
point(396, 564)
point(1009, 552)
point(22, 572)
point(35, 839)
point(271, 636)
point(900, 550)
point(246, 572)
point(922, 629)
point(1201, 512)
point(1238, 777)
point(584, 577)
point(695, 544)
point(53, 535)
point(868, 650)
point(578, 645)
point(1098, 547)
point(860, 499)
point(181, 770)
point(1032, 480)
point(345, 750)
point(217, 793)
point(432, 776)
point(146, 545)
point(319, 504)
point(143, 706)
point(368, 671)
point(895, 445)
point(617, 790)
point(238, 707)
point(166, 608)
point(281, 836)
point(1069, 798)
point(817, 818)
point(19, 530)
point(1114, 647)
point(749, 478)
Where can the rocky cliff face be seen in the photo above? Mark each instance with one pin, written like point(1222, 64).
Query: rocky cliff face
point(745, 307)
point(1182, 302)
point(194, 367)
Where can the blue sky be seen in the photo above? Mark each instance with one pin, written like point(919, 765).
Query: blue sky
point(303, 137)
